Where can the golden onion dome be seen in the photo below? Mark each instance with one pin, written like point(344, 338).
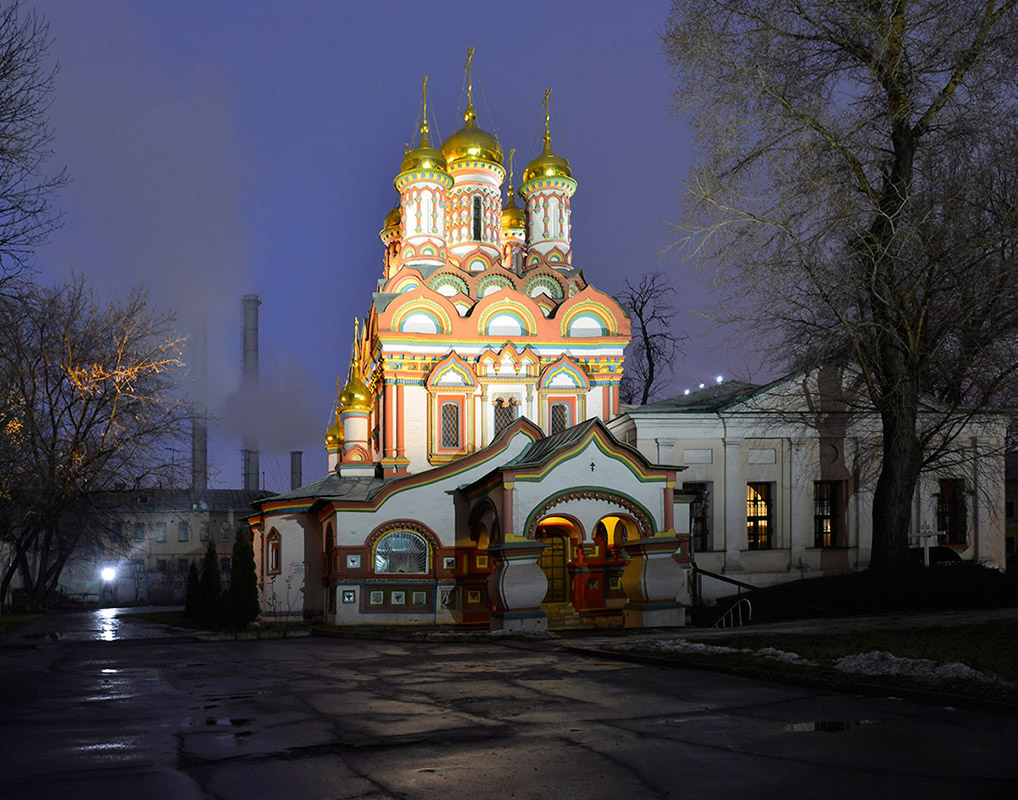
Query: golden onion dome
point(355, 394)
point(547, 165)
point(335, 435)
point(393, 219)
point(470, 143)
point(424, 156)
point(513, 216)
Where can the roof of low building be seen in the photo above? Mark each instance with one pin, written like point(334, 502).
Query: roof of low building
point(714, 397)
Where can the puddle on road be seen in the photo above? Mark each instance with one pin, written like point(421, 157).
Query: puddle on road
point(827, 726)
point(109, 625)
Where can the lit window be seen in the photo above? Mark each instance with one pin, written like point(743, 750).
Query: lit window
point(826, 510)
point(402, 551)
point(450, 425)
point(477, 219)
point(758, 516)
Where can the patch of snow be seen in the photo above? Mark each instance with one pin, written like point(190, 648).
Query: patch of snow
point(675, 646)
point(782, 655)
point(880, 662)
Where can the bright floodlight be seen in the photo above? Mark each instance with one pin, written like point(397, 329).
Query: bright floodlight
point(720, 378)
point(109, 574)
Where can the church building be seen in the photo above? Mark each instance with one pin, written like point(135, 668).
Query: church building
point(473, 483)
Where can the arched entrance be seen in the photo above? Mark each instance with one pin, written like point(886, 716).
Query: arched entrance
point(561, 538)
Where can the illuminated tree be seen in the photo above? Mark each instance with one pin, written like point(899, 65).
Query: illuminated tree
point(88, 404)
point(855, 195)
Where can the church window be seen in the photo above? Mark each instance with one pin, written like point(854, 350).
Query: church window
point(401, 552)
point(700, 514)
point(477, 219)
point(758, 516)
point(450, 425)
point(826, 513)
point(506, 411)
point(559, 417)
point(951, 511)
point(274, 553)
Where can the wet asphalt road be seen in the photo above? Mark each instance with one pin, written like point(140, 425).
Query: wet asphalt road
point(345, 718)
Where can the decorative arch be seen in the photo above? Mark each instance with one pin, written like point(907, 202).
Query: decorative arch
point(508, 308)
point(449, 284)
point(544, 284)
point(420, 308)
point(641, 516)
point(564, 375)
point(452, 372)
point(483, 514)
point(431, 541)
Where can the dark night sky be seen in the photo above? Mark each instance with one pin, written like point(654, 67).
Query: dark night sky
point(221, 148)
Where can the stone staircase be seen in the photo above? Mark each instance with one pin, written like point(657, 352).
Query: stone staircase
point(562, 616)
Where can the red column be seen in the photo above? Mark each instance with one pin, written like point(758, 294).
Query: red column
point(390, 417)
point(400, 423)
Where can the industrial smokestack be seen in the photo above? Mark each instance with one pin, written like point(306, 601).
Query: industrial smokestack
point(250, 305)
point(199, 427)
point(296, 480)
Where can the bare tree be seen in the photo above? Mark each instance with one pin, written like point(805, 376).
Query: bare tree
point(27, 215)
point(89, 404)
point(655, 343)
point(855, 192)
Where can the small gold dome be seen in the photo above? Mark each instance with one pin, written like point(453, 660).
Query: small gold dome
point(547, 165)
point(335, 435)
point(354, 396)
point(513, 217)
point(393, 218)
point(470, 143)
point(424, 156)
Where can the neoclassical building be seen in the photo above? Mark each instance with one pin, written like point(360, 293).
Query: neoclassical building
point(472, 480)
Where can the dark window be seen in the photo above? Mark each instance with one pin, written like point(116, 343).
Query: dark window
point(139, 531)
point(182, 532)
point(203, 532)
point(826, 513)
point(161, 565)
point(182, 565)
point(505, 413)
point(160, 531)
point(700, 514)
point(118, 530)
point(224, 564)
point(477, 219)
point(951, 511)
point(559, 417)
point(758, 516)
point(450, 425)
point(1009, 505)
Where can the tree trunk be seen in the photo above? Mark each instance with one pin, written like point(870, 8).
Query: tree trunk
point(892, 500)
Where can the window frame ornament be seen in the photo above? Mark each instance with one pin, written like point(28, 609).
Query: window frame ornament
point(417, 553)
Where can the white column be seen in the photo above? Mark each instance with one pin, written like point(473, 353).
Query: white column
point(801, 500)
point(735, 505)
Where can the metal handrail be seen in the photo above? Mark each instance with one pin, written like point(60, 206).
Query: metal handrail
point(732, 618)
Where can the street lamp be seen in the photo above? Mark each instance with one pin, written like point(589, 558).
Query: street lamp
point(109, 590)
